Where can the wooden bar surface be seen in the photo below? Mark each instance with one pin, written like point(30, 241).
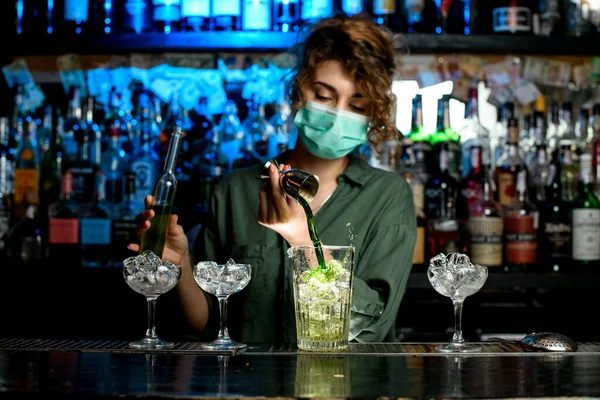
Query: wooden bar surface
point(101, 369)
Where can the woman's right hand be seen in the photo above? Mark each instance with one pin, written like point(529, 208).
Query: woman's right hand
point(176, 246)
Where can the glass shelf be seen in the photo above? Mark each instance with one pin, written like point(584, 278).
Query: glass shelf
point(280, 41)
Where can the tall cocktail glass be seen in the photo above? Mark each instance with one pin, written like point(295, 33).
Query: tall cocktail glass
point(323, 296)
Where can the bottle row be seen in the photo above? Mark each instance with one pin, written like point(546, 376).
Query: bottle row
point(524, 203)
point(531, 159)
point(514, 17)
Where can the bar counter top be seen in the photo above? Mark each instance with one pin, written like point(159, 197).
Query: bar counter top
point(81, 369)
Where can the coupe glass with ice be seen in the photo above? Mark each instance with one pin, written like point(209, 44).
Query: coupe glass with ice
point(148, 275)
point(222, 281)
point(323, 296)
point(454, 276)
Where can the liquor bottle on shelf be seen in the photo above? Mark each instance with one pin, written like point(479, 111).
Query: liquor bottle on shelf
point(418, 16)
point(444, 134)
point(585, 217)
point(520, 229)
point(441, 196)
point(569, 174)
point(509, 166)
point(95, 226)
point(34, 17)
point(259, 129)
point(594, 143)
point(7, 158)
point(226, 15)
point(248, 157)
point(412, 172)
point(514, 17)
point(83, 170)
point(213, 164)
point(124, 226)
point(354, 7)
point(137, 16)
point(485, 227)
point(417, 130)
point(471, 186)
point(25, 244)
point(63, 227)
point(286, 15)
point(114, 163)
point(552, 20)
point(27, 166)
point(256, 15)
point(162, 201)
point(554, 234)
point(103, 16)
point(384, 13)
point(51, 168)
point(498, 134)
point(195, 15)
point(6, 174)
point(314, 10)
point(73, 123)
point(473, 133)
point(578, 19)
point(167, 15)
point(145, 166)
point(537, 130)
point(452, 17)
point(75, 14)
point(537, 158)
point(282, 121)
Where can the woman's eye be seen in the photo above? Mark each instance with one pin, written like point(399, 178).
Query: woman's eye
point(357, 109)
point(321, 97)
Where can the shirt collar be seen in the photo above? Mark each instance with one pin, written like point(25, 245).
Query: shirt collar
point(357, 170)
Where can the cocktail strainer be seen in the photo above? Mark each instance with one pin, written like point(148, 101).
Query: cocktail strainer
point(546, 341)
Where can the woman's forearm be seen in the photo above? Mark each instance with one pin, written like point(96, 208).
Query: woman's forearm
point(192, 298)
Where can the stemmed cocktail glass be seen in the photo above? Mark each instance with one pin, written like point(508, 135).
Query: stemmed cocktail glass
point(148, 275)
point(222, 281)
point(454, 276)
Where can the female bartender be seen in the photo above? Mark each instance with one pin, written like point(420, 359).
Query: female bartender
point(345, 70)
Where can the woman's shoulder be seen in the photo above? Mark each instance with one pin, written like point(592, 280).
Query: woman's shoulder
point(379, 180)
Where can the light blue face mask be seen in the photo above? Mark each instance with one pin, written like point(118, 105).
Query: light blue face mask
point(328, 132)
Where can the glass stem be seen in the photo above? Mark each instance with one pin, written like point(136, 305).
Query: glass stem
point(458, 337)
point(151, 332)
point(223, 332)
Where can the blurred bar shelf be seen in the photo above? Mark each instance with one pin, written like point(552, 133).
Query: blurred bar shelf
point(280, 41)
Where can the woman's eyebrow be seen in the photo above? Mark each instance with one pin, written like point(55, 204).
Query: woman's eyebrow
point(326, 86)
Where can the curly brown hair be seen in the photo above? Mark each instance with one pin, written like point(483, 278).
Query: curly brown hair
point(366, 51)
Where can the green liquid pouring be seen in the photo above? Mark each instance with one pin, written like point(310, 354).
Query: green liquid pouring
point(312, 230)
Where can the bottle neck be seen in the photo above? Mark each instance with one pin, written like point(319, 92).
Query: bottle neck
point(417, 116)
point(173, 152)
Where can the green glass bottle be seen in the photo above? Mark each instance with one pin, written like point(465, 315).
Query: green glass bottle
point(417, 131)
point(164, 195)
point(445, 134)
point(585, 219)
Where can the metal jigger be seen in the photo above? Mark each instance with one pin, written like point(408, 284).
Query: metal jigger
point(295, 182)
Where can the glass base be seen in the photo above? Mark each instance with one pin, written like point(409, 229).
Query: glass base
point(312, 345)
point(458, 348)
point(223, 344)
point(151, 344)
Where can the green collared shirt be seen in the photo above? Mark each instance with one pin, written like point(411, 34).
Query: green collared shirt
point(371, 209)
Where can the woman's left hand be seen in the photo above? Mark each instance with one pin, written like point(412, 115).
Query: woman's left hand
point(280, 212)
